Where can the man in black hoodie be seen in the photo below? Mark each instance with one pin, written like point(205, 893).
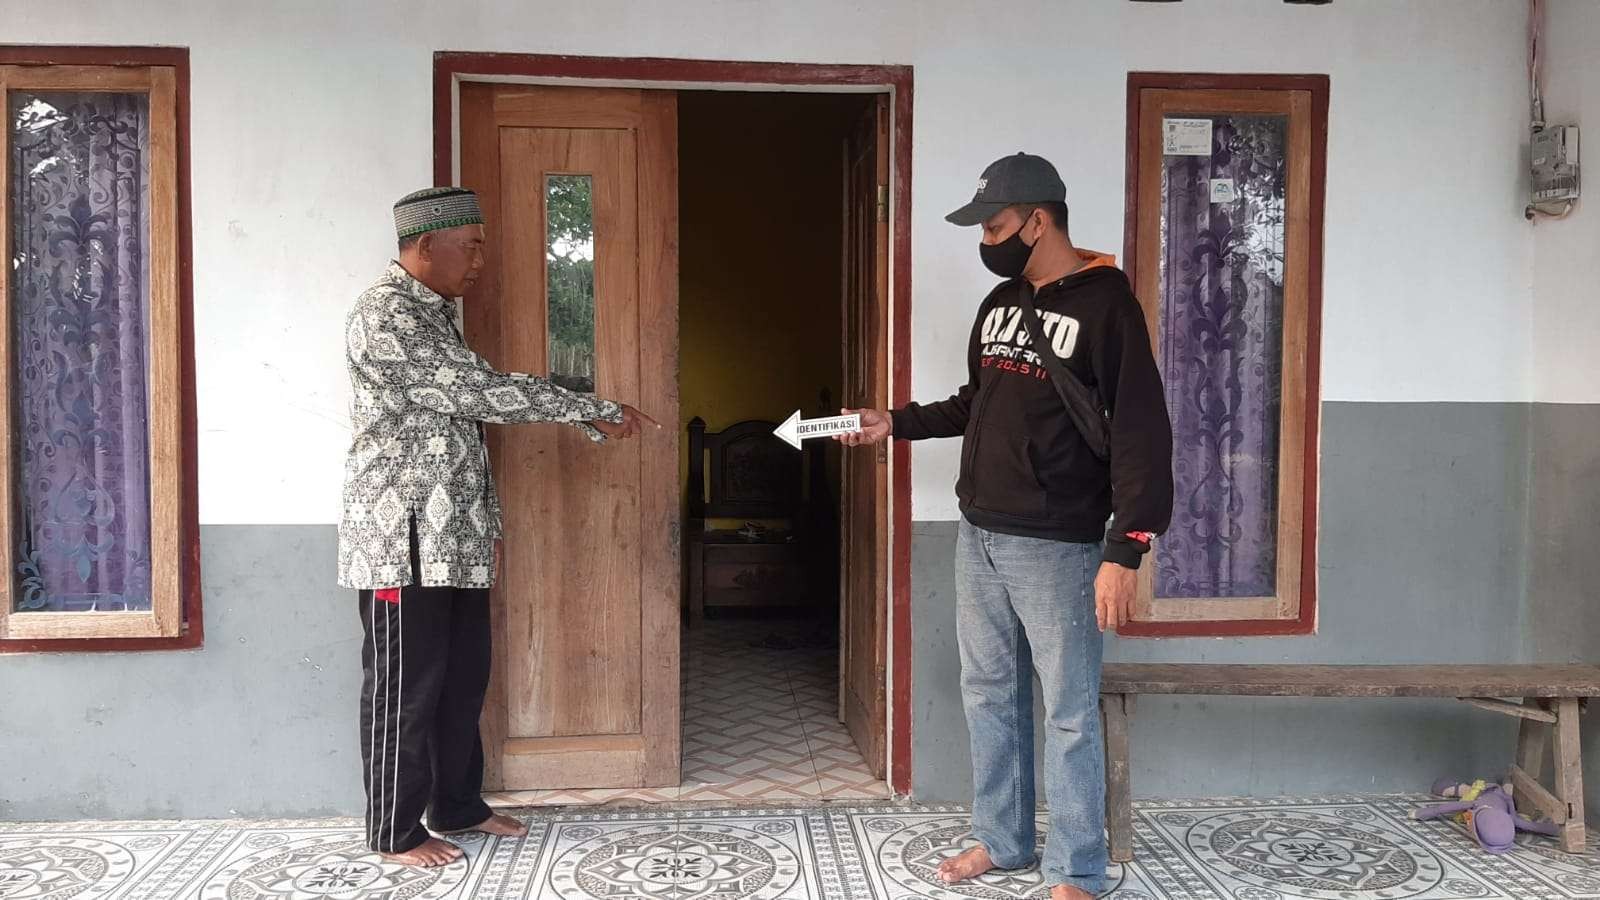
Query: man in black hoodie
point(1039, 574)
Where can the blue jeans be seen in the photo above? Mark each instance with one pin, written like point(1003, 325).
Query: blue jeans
point(1026, 605)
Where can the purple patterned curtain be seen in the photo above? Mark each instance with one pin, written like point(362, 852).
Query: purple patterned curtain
point(1222, 231)
point(78, 200)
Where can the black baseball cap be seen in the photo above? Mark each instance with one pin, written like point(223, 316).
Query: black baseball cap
point(1011, 181)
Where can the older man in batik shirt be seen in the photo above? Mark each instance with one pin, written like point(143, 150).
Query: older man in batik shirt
point(419, 537)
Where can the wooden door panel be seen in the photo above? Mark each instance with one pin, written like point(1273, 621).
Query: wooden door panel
point(580, 672)
point(864, 536)
point(584, 690)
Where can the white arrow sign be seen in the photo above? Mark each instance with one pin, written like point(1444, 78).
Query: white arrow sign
point(795, 429)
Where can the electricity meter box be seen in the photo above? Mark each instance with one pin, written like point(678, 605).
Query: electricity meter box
point(1555, 164)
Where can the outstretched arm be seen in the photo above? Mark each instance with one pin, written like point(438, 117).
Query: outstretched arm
point(419, 362)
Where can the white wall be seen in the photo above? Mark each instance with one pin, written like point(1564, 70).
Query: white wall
point(311, 117)
point(1566, 320)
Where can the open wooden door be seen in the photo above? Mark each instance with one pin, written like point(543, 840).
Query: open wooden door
point(579, 187)
point(863, 651)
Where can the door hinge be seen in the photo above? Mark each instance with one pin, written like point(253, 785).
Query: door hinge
point(883, 203)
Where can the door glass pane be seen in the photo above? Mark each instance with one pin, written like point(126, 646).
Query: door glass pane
point(1223, 189)
point(78, 202)
point(569, 264)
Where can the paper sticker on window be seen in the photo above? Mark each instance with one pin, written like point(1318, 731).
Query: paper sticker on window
point(1186, 137)
point(1223, 190)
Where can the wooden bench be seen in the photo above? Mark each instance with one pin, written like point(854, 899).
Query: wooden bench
point(1549, 700)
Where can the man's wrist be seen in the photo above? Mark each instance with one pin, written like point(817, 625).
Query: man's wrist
point(1125, 550)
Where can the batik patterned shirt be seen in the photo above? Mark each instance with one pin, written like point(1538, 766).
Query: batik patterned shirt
point(417, 453)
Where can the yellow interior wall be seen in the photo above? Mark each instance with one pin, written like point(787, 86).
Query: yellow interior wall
point(761, 218)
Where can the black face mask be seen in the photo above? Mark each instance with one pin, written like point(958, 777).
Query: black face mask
point(1009, 257)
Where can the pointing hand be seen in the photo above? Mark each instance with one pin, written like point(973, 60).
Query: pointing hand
point(875, 426)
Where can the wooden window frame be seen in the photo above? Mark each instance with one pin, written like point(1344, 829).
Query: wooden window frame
point(174, 620)
point(1304, 98)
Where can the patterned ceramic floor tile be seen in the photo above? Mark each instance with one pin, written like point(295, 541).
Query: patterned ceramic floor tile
point(841, 772)
point(587, 797)
point(851, 784)
point(683, 856)
point(219, 861)
point(1539, 867)
point(760, 709)
point(1310, 849)
point(262, 863)
point(89, 859)
point(756, 695)
point(904, 848)
point(765, 789)
point(1350, 849)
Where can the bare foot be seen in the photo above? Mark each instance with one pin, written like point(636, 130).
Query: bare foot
point(1068, 892)
point(430, 854)
point(504, 826)
point(965, 866)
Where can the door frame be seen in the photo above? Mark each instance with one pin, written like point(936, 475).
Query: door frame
point(450, 68)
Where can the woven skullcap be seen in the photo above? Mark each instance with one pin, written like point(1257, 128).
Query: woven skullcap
point(434, 208)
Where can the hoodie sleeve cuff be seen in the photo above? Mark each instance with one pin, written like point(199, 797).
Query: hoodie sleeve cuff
point(1124, 551)
point(899, 425)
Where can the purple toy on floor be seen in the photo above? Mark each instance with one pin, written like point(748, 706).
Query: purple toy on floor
point(1488, 811)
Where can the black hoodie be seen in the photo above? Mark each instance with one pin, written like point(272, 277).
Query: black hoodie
point(1025, 469)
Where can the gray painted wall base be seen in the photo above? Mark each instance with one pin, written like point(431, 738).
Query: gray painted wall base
point(260, 722)
point(1423, 516)
point(1563, 609)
